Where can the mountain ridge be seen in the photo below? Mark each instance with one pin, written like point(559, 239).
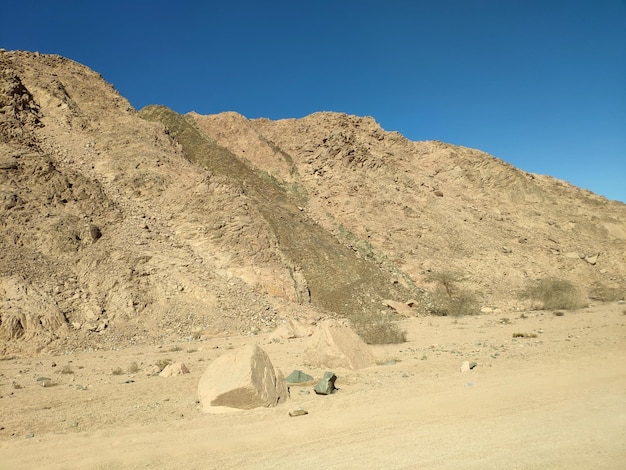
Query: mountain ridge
point(121, 227)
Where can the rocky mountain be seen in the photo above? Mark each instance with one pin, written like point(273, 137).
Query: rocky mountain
point(120, 227)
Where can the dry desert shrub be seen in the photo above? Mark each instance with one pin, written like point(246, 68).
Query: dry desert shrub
point(133, 368)
point(552, 293)
point(117, 371)
point(605, 294)
point(162, 363)
point(377, 329)
point(524, 335)
point(449, 298)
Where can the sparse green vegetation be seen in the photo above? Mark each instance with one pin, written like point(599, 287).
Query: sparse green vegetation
point(377, 329)
point(449, 298)
point(604, 293)
point(552, 293)
point(363, 247)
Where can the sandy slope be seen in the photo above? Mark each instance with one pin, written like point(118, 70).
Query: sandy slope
point(554, 401)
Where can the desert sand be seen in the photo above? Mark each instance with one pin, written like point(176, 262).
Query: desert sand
point(555, 398)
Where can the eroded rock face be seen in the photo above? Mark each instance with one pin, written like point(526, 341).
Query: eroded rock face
point(243, 379)
point(26, 312)
point(335, 344)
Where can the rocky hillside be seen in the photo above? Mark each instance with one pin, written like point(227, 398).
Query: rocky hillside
point(121, 227)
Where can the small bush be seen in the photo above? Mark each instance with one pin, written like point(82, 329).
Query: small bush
point(378, 329)
point(163, 363)
point(605, 294)
point(133, 368)
point(67, 369)
point(552, 293)
point(117, 371)
point(449, 298)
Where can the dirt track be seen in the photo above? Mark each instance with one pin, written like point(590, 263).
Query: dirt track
point(554, 401)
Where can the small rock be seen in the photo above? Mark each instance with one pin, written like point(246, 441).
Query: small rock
point(44, 381)
point(298, 377)
point(298, 412)
point(465, 367)
point(95, 232)
point(326, 386)
point(10, 200)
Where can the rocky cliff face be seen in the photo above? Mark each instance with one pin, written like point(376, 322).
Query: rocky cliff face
point(119, 227)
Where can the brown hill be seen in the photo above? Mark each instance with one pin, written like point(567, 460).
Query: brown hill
point(120, 227)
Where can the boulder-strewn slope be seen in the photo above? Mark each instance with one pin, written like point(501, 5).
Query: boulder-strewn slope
point(119, 227)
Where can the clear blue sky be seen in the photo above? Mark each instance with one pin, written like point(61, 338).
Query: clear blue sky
point(540, 84)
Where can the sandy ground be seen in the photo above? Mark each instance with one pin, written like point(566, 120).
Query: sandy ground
point(557, 400)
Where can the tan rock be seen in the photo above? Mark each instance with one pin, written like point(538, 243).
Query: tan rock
point(243, 379)
point(291, 329)
point(171, 370)
point(335, 344)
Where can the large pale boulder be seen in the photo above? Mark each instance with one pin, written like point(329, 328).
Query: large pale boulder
point(242, 379)
point(335, 344)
